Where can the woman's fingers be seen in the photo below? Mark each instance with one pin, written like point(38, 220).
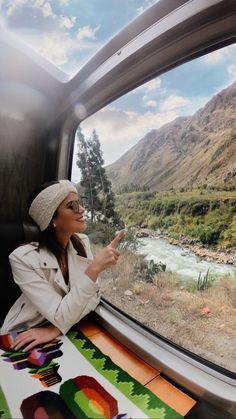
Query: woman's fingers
point(116, 252)
point(19, 343)
point(24, 338)
point(113, 252)
point(113, 255)
point(106, 258)
point(33, 337)
point(109, 256)
point(31, 345)
point(115, 242)
point(24, 335)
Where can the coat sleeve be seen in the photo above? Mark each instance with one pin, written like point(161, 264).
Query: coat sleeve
point(62, 311)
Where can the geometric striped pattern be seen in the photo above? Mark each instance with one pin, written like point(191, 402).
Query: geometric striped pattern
point(81, 396)
point(139, 395)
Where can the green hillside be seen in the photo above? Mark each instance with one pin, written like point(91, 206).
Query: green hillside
point(188, 152)
point(205, 215)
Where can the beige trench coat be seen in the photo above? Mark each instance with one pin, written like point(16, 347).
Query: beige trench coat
point(45, 295)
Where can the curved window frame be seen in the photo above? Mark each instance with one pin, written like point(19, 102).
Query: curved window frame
point(187, 32)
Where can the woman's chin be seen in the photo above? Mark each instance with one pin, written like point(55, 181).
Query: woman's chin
point(81, 227)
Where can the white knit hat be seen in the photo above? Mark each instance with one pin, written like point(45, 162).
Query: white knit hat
point(48, 200)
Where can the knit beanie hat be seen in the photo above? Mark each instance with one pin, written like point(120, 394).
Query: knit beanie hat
point(48, 200)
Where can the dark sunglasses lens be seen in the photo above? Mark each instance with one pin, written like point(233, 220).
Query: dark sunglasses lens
point(75, 205)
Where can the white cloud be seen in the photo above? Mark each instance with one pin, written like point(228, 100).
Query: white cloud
point(150, 104)
point(219, 55)
point(150, 88)
point(58, 47)
point(87, 32)
point(119, 130)
point(47, 10)
point(214, 57)
point(13, 5)
point(57, 44)
point(43, 5)
point(38, 3)
point(173, 102)
point(55, 47)
point(126, 125)
point(147, 4)
point(150, 85)
point(140, 10)
point(67, 22)
point(232, 70)
point(64, 2)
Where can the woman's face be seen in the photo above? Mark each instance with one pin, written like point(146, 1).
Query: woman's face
point(69, 217)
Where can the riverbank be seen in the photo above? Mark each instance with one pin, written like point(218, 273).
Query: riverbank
point(219, 255)
point(200, 321)
point(207, 217)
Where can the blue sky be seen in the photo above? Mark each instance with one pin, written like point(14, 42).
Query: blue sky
point(180, 92)
point(69, 32)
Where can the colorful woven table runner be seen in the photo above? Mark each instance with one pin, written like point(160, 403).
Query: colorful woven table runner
point(71, 378)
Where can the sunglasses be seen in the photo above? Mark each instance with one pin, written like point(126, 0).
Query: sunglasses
point(75, 205)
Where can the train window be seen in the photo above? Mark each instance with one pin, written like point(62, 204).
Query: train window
point(168, 149)
point(68, 32)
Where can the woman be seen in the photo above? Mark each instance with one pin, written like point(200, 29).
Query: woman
point(57, 275)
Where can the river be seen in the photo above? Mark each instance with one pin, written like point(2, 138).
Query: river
point(181, 261)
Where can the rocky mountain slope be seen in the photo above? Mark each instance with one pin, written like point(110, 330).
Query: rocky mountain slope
point(187, 152)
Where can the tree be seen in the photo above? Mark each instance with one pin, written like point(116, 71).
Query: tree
point(97, 187)
point(83, 163)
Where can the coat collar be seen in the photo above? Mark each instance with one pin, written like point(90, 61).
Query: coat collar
point(48, 260)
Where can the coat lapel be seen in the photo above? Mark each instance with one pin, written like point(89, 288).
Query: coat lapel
point(77, 264)
point(49, 262)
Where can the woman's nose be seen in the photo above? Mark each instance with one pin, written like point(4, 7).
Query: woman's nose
point(81, 209)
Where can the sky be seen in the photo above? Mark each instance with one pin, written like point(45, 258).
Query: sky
point(69, 32)
point(180, 92)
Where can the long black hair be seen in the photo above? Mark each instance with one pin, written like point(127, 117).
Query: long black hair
point(48, 239)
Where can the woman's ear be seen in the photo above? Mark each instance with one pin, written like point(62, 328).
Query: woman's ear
point(53, 222)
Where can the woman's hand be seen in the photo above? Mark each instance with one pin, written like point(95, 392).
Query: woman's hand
point(35, 336)
point(106, 258)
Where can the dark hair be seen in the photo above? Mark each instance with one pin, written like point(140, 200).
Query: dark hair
point(48, 239)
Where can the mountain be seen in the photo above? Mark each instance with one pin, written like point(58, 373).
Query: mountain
point(189, 151)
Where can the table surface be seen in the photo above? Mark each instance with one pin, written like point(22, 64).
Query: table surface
point(136, 367)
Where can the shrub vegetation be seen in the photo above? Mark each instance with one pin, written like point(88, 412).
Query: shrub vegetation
point(208, 216)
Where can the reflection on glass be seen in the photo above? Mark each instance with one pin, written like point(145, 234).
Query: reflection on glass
point(67, 32)
point(169, 149)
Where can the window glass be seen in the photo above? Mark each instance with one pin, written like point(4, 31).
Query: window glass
point(168, 149)
point(68, 32)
